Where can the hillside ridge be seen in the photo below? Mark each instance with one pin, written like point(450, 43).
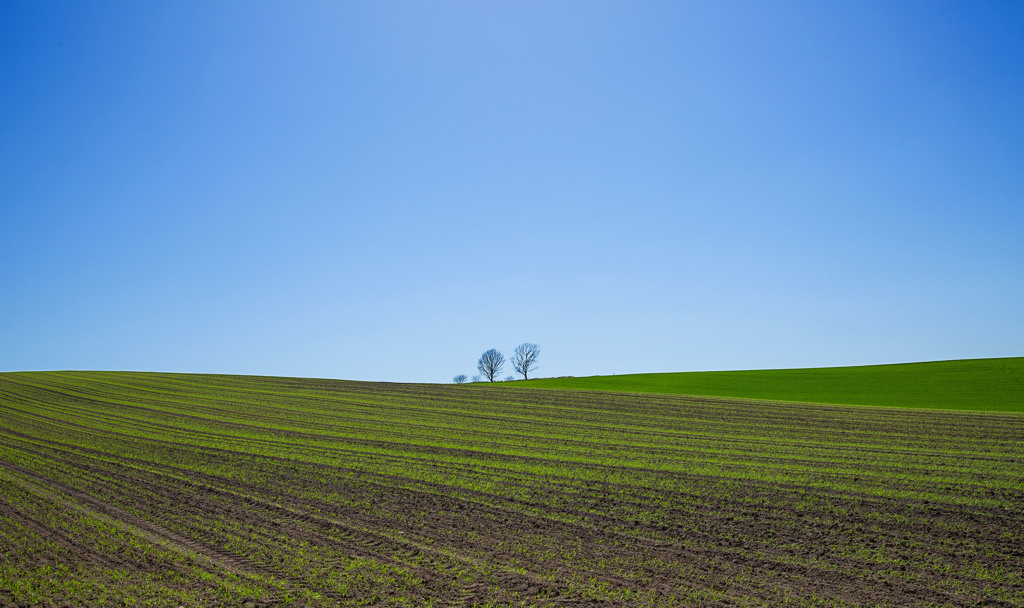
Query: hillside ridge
point(994, 384)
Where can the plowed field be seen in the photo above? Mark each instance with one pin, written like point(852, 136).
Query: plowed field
point(168, 490)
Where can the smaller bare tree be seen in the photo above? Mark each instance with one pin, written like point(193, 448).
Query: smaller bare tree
point(490, 364)
point(460, 379)
point(524, 359)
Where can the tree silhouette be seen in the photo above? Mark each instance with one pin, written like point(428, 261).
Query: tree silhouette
point(490, 364)
point(524, 359)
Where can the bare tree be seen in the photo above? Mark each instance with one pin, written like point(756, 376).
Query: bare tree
point(524, 359)
point(490, 364)
point(509, 378)
point(477, 378)
point(460, 379)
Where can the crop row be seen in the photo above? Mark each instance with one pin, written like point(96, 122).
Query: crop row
point(277, 491)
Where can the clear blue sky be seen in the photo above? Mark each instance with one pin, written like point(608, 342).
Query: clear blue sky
point(384, 190)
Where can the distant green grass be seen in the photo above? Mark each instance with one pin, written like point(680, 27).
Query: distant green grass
point(969, 384)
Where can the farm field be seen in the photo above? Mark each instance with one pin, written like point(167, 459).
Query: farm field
point(192, 490)
point(966, 384)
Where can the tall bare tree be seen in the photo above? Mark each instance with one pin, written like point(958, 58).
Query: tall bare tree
point(524, 359)
point(490, 364)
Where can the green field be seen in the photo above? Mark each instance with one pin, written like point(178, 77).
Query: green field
point(126, 489)
point(970, 384)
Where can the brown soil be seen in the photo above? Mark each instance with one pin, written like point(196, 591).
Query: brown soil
point(628, 536)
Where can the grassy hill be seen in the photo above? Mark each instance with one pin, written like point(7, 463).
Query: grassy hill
point(969, 384)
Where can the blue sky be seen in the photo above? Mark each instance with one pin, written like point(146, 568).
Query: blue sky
point(384, 190)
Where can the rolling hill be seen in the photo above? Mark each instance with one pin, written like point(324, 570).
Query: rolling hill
point(167, 490)
point(968, 384)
